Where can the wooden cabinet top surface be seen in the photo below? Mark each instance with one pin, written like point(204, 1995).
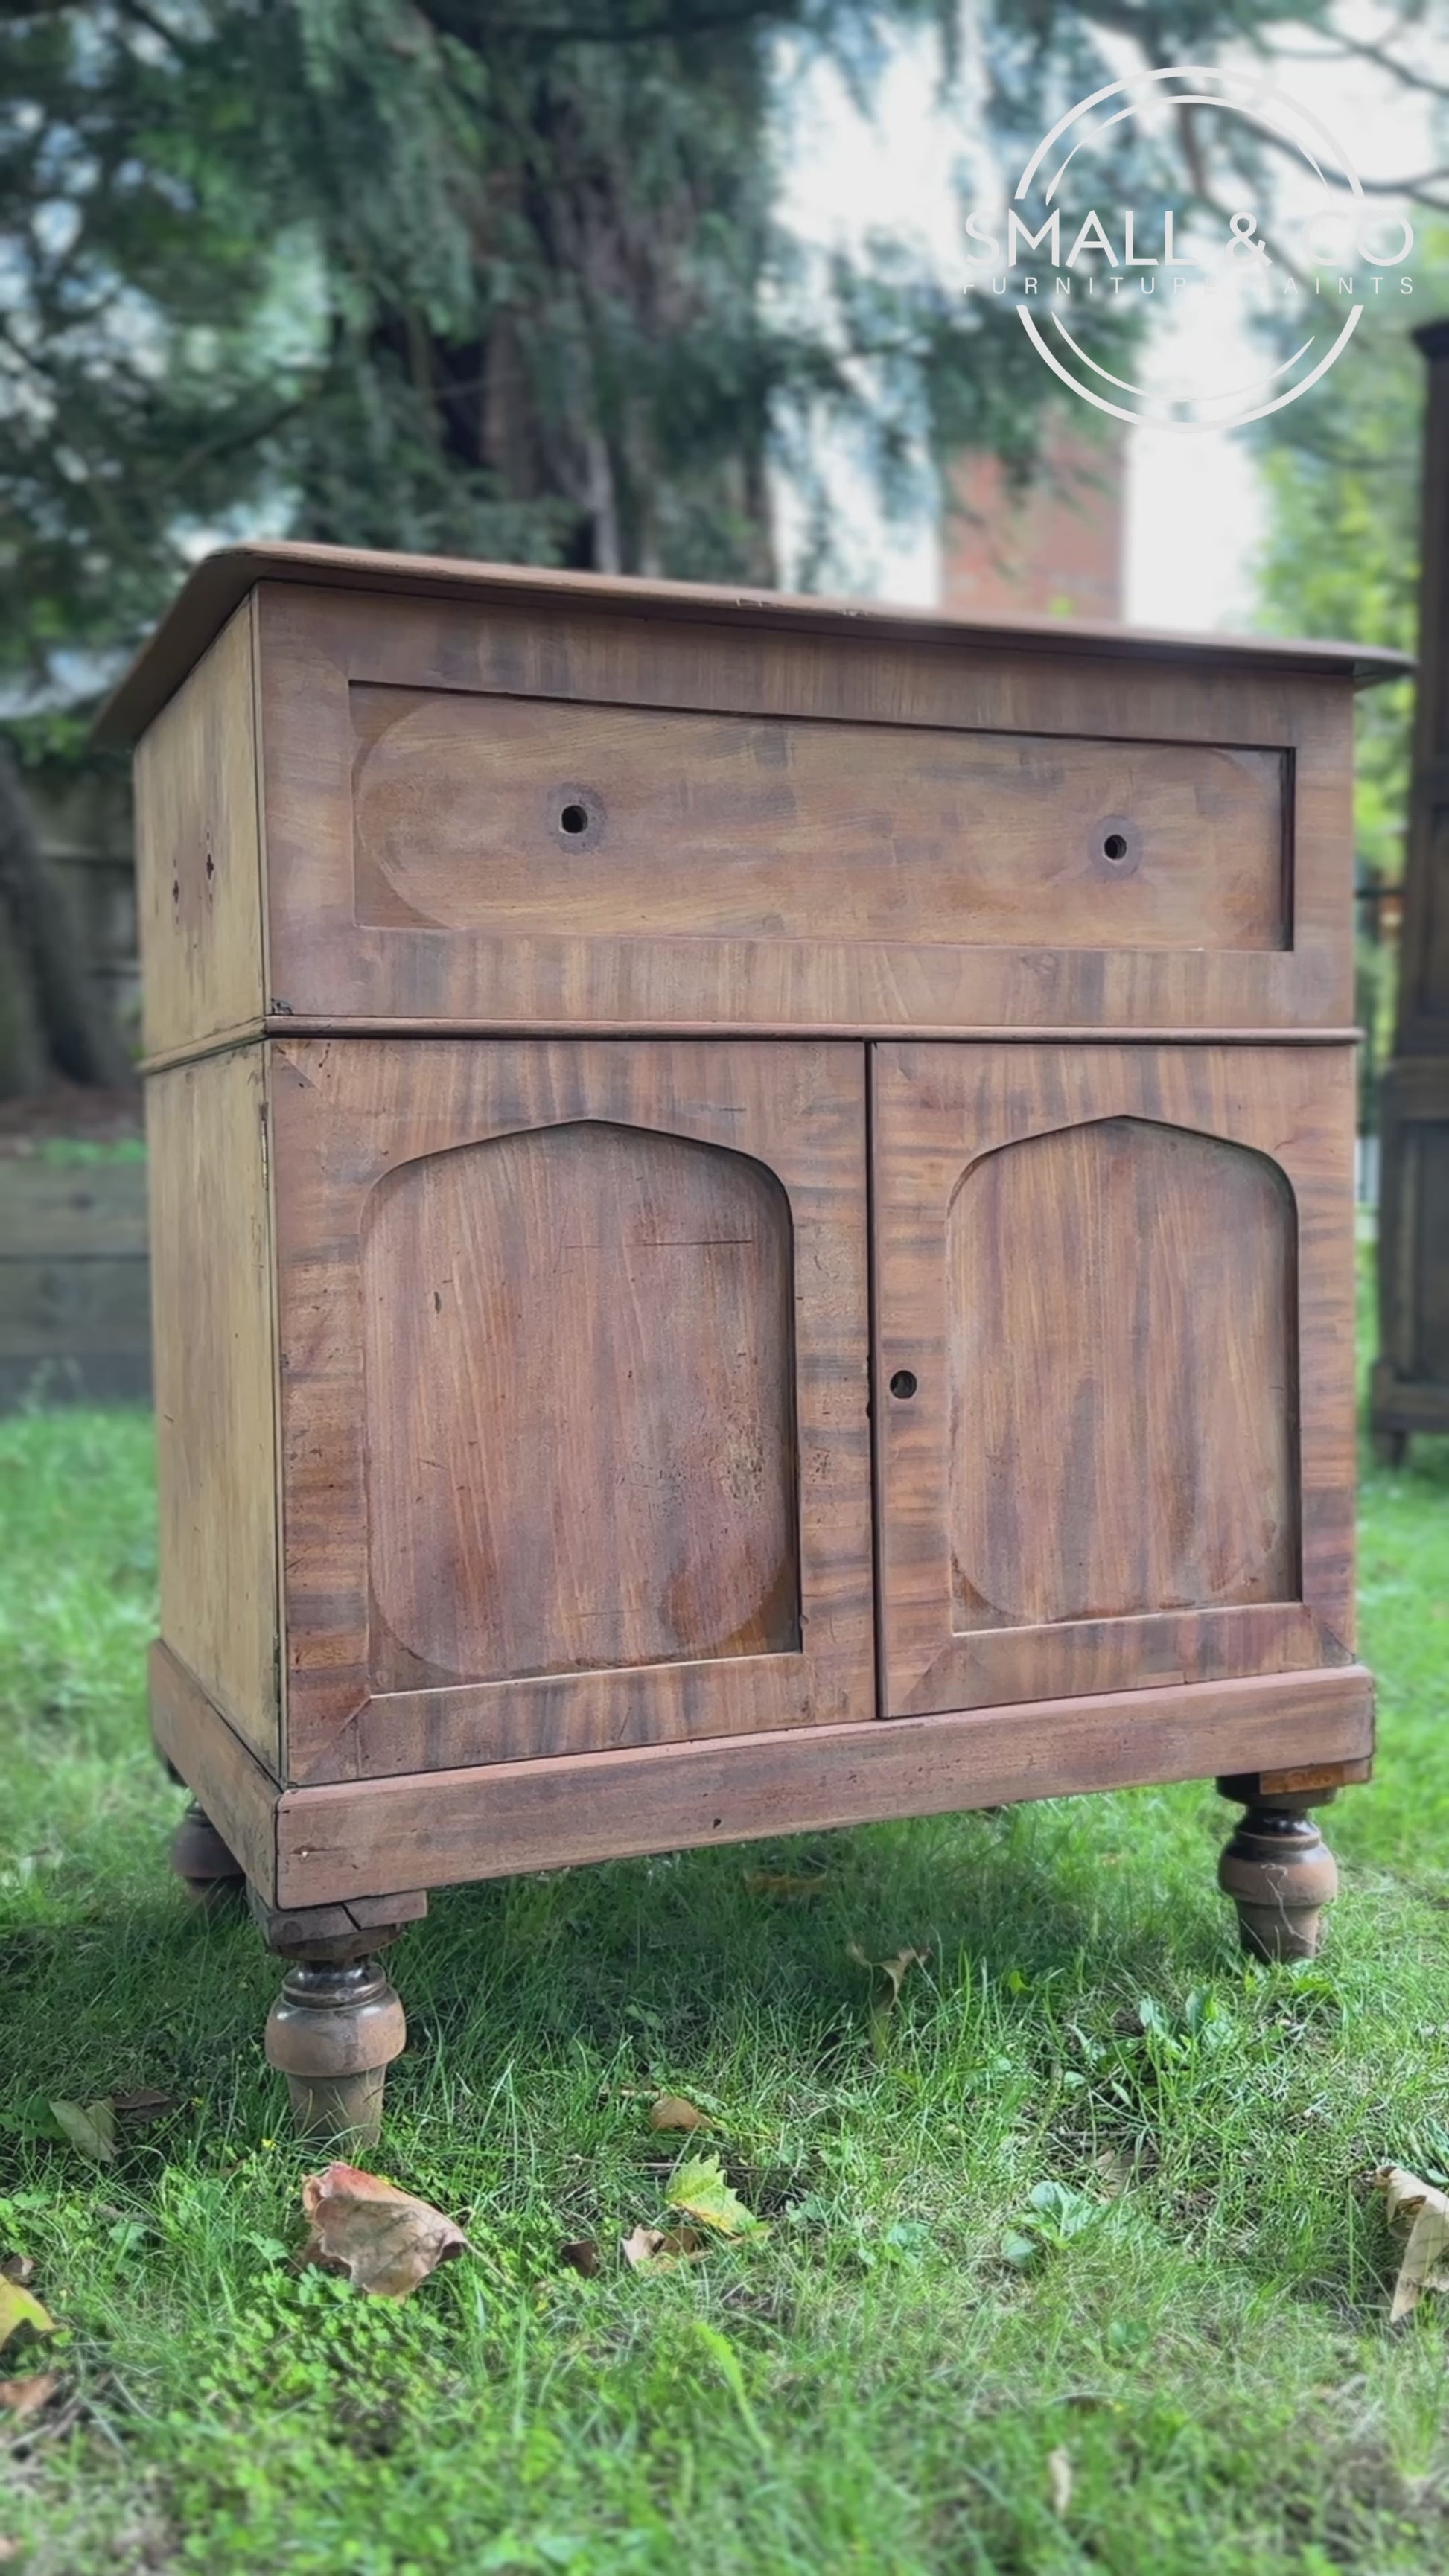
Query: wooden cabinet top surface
point(399, 793)
point(220, 583)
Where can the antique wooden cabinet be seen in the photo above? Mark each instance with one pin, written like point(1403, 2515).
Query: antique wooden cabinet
point(752, 1228)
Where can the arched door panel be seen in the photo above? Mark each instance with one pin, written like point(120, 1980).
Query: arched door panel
point(1122, 1372)
point(1113, 1378)
point(574, 1396)
point(581, 1357)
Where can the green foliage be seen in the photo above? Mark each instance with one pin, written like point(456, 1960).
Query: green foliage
point(458, 275)
point(1102, 2194)
point(1342, 553)
point(1343, 473)
point(700, 2188)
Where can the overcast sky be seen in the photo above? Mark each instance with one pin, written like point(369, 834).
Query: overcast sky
point(1194, 511)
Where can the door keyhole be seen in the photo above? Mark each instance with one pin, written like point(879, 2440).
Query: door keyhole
point(904, 1384)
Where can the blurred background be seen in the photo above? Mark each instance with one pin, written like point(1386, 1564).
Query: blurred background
point(669, 287)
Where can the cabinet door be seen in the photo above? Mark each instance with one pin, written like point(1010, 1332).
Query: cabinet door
point(574, 1395)
point(1114, 1367)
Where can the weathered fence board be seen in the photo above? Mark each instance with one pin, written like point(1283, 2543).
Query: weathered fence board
point(74, 1282)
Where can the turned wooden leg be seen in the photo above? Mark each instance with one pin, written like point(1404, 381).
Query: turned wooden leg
point(334, 2030)
point(338, 2022)
point(1279, 1872)
point(207, 1870)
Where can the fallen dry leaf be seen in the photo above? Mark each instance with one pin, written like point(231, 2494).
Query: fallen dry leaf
point(145, 2103)
point(1115, 2171)
point(671, 2111)
point(658, 2247)
point(18, 2267)
point(581, 2255)
point(1059, 2481)
point(26, 2396)
point(90, 2127)
point(895, 1970)
point(776, 1882)
point(384, 2239)
point(889, 1975)
point(699, 2188)
point(20, 2307)
point(1427, 2212)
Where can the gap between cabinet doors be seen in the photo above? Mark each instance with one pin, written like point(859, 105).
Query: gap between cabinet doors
point(1112, 1392)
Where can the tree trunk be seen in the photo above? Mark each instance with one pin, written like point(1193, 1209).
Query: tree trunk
point(52, 1019)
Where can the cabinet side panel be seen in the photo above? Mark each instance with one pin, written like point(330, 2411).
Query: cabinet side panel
point(198, 852)
point(215, 1345)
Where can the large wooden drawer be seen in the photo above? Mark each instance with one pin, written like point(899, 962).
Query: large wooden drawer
point(462, 818)
point(538, 816)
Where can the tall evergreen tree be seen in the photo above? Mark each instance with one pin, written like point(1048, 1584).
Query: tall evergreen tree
point(497, 277)
point(491, 277)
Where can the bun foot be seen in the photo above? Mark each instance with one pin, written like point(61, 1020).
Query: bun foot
point(208, 1871)
point(1281, 1876)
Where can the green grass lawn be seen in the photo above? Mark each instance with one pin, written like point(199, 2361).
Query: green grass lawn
point(1199, 2334)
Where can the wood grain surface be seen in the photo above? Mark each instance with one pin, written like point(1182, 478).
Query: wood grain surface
point(1121, 1296)
point(488, 1822)
point(221, 1771)
point(534, 816)
point(213, 1315)
point(580, 1375)
point(198, 852)
point(595, 1380)
point(854, 955)
point(221, 581)
point(1122, 1282)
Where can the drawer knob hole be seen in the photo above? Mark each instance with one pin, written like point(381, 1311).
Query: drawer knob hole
point(1114, 846)
point(574, 818)
point(904, 1384)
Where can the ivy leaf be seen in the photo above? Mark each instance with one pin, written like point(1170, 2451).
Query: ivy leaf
point(32, 2117)
point(20, 2307)
point(699, 2188)
point(90, 2127)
